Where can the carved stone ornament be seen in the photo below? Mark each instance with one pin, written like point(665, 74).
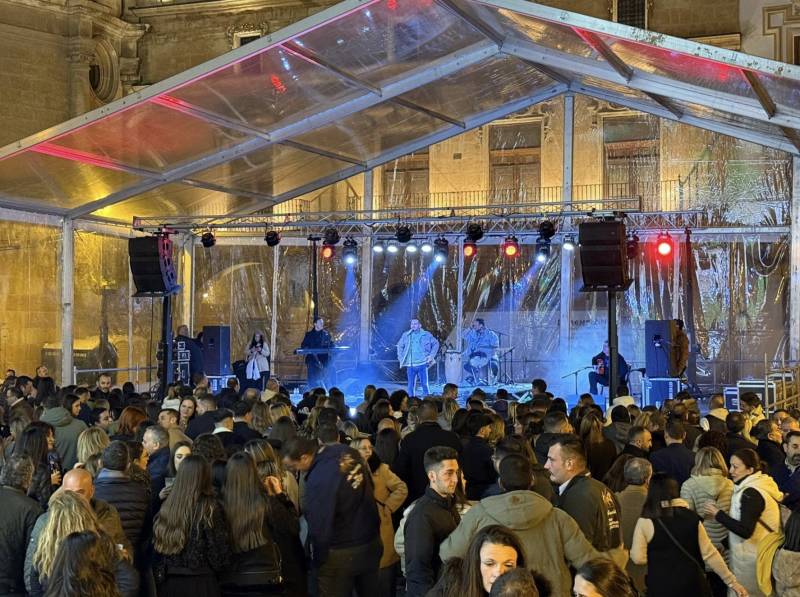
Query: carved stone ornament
point(241, 29)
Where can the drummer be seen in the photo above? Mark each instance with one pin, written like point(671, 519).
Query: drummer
point(480, 348)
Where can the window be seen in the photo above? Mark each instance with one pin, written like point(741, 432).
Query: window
point(796, 44)
point(631, 12)
point(406, 181)
point(631, 158)
point(515, 162)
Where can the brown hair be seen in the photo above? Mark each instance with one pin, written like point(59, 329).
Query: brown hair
point(245, 503)
point(130, 419)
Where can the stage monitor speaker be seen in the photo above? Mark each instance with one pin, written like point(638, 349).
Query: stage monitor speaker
point(604, 260)
point(217, 350)
point(659, 338)
point(151, 265)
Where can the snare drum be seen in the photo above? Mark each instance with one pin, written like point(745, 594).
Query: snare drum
point(452, 366)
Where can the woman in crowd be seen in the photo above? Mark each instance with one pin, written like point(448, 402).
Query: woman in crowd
point(387, 445)
point(256, 562)
point(614, 478)
point(179, 451)
point(128, 424)
point(210, 447)
point(268, 464)
point(91, 441)
point(70, 513)
point(73, 405)
point(186, 410)
point(84, 567)
point(600, 451)
point(283, 430)
point(786, 565)
point(33, 442)
point(672, 541)
point(257, 358)
point(380, 410)
point(260, 420)
point(602, 578)
point(449, 408)
point(190, 535)
point(390, 492)
point(493, 551)
point(754, 513)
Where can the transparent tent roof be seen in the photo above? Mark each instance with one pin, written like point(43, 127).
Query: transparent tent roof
point(364, 82)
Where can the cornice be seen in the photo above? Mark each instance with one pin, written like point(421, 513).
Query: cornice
point(212, 7)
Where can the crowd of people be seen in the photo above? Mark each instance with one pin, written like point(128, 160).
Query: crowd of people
point(109, 492)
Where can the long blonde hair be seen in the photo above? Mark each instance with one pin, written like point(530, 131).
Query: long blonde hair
point(91, 442)
point(68, 513)
point(707, 460)
point(261, 420)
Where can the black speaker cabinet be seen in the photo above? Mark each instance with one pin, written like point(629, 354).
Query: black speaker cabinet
point(604, 262)
point(217, 350)
point(151, 265)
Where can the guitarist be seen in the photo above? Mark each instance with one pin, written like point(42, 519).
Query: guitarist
point(601, 367)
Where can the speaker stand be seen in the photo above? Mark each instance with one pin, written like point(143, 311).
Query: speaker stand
point(168, 375)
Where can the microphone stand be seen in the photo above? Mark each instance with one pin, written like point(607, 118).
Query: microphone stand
point(575, 373)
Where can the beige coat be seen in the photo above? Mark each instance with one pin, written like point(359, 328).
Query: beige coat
point(390, 493)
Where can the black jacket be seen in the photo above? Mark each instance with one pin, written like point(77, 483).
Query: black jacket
point(158, 467)
point(129, 498)
point(676, 460)
point(635, 451)
point(244, 433)
point(736, 442)
point(429, 523)
point(18, 514)
point(595, 509)
point(770, 452)
point(201, 424)
point(543, 444)
point(408, 465)
point(478, 467)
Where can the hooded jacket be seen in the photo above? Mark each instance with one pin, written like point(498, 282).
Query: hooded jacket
point(595, 509)
point(549, 536)
point(714, 488)
point(715, 420)
point(67, 431)
point(617, 432)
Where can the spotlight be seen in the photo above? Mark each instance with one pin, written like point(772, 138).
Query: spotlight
point(440, 249)
point(470, 248)
point(350, 251)
point(426, 247)
point(330, 236)
point(547, 230)
point(327, 252)
point(664, 244)
point(392, 247)
point(412, 248)
point(474, 232)
point(272, 238)
point(569, 242)
point(378, 247)
point(208, 239)
point(510, 246)
point(542, 249)
point(403, 233)
point(632, 246)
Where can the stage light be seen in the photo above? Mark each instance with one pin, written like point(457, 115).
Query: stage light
point(632, 246)
point(350, 251)
point(542, 250)
point(474, 232)
point(392, 247)
point(440, 249)
point(327, 252)
point(330, 236)
point(547, 230)
point(272, 238)
point(426, 247)
point(378, 247)
point(403, 233)
point(569, 242)
point(412, 248)
point(208, 239)
point(510, 246)
point(664, 244)
point(470, 248)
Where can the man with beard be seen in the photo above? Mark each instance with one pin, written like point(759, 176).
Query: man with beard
point(787, 473)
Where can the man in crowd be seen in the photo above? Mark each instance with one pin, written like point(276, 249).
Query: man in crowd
point(617, 431)
point(409, 465)
point(587, 500)
point(637, 474)
point(787, 474)
point(223, 429)
point(478, 469)
point(735, 423)
point(242, 417)
point(640, 440)
point(342, 516)
point(516, 445)
point(554, 424)
point(156, 444)
point(717, 414)
point(432, 519)
point(67, 430)
point(204, 419)
point(751, 407)
point(549, 536)
point(17, 518)
point(101, 417)
point(103, 392)
point(676, 459)
point(85, 413)
point(168, 420)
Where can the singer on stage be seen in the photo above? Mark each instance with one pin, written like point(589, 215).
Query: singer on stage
point(601, 363)
point(317, 364)
point(416, 351)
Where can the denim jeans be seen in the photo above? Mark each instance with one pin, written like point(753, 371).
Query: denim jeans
point(421, 372)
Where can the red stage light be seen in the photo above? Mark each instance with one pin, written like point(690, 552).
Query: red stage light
point(470, 249)
point(391, 4)
point(664, 245)
point(277, 84)
point(510, 246)
point(327, 252)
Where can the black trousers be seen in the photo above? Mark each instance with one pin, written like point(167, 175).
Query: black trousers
point(351, 569)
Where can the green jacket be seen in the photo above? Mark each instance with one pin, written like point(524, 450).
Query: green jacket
point(550, 536)
point(67, 431)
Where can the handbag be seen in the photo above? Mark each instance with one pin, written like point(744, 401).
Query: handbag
point(259, 567)
point(704, 586)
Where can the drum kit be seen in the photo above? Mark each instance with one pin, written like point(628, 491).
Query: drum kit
point(489, 369)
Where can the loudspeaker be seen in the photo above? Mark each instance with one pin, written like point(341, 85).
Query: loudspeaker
point(217, 350)
point(604, 261)
point(659, 338)
point(151, 265)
